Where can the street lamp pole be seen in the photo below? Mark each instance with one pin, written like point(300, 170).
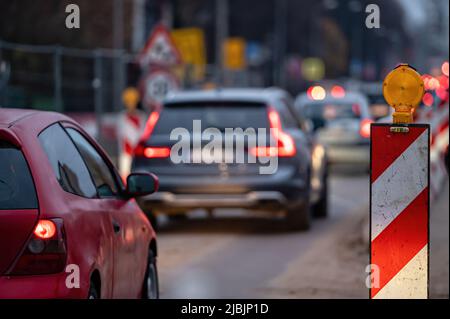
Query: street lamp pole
point(280, 36)
point(118, 72)
point(221, 7)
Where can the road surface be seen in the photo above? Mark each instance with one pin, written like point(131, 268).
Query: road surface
point(235, 255)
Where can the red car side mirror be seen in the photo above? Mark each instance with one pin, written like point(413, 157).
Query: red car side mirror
point(140, 184)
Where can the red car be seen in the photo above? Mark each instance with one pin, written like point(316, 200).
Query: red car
point(69, 228)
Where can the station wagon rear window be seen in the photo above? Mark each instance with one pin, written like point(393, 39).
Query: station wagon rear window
point(17, 190)
point(219, 115)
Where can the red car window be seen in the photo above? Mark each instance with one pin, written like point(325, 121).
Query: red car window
point(100, 172)
point(70, 169)
point(16, 185)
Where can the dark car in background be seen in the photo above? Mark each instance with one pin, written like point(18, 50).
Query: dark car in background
point(341, 121)
point(298, 184)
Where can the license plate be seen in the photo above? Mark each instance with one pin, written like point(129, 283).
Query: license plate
point(199, 156)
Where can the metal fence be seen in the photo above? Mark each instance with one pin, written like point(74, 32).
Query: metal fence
point(90, 82)
point(62, 79)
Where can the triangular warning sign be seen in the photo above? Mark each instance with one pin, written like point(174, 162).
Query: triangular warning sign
point(159, 49)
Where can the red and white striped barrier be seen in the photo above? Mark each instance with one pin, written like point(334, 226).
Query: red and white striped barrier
point(438, 119)
point(399, 211)
point(130, 126)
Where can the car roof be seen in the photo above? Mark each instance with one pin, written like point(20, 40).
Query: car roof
point(9, 117)
point(262, 95)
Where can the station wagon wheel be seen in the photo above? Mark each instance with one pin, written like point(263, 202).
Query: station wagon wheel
point(150, 289)
point(298, 218)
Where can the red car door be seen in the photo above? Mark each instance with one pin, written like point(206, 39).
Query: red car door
point(87, 222)
point(130, 250)
point(131, 237)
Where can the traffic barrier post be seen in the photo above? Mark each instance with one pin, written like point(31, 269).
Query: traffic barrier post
point(400, 194)
point(399, 209)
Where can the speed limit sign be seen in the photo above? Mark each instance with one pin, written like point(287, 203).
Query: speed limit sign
point(156, 85)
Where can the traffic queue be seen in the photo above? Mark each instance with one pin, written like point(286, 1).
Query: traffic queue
point(69, 219)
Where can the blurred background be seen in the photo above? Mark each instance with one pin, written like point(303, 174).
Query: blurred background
point(293, 44)
point(287, 43)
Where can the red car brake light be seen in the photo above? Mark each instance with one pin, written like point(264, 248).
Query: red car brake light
point(337, 92)
point(364, 129)
point(45, 229)
point(45, 252)
point(285, 143)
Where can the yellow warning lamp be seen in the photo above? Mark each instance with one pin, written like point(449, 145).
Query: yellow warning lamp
point(403, 89)
point(130, 98)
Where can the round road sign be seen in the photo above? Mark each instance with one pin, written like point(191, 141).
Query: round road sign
point(156, 85)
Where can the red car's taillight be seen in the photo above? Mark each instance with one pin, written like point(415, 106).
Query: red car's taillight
point(45, 229)
point(45, 252)
point(364, 129)
point(285, 143)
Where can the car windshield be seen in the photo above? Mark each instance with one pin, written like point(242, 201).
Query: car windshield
point(16, 186)
point(218, 115)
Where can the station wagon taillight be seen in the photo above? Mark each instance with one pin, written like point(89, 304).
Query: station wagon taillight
point(141, 150)
point(150, 125)
point(285, 145)
point(151, 152)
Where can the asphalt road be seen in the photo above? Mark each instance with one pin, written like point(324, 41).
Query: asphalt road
point(236, 255)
